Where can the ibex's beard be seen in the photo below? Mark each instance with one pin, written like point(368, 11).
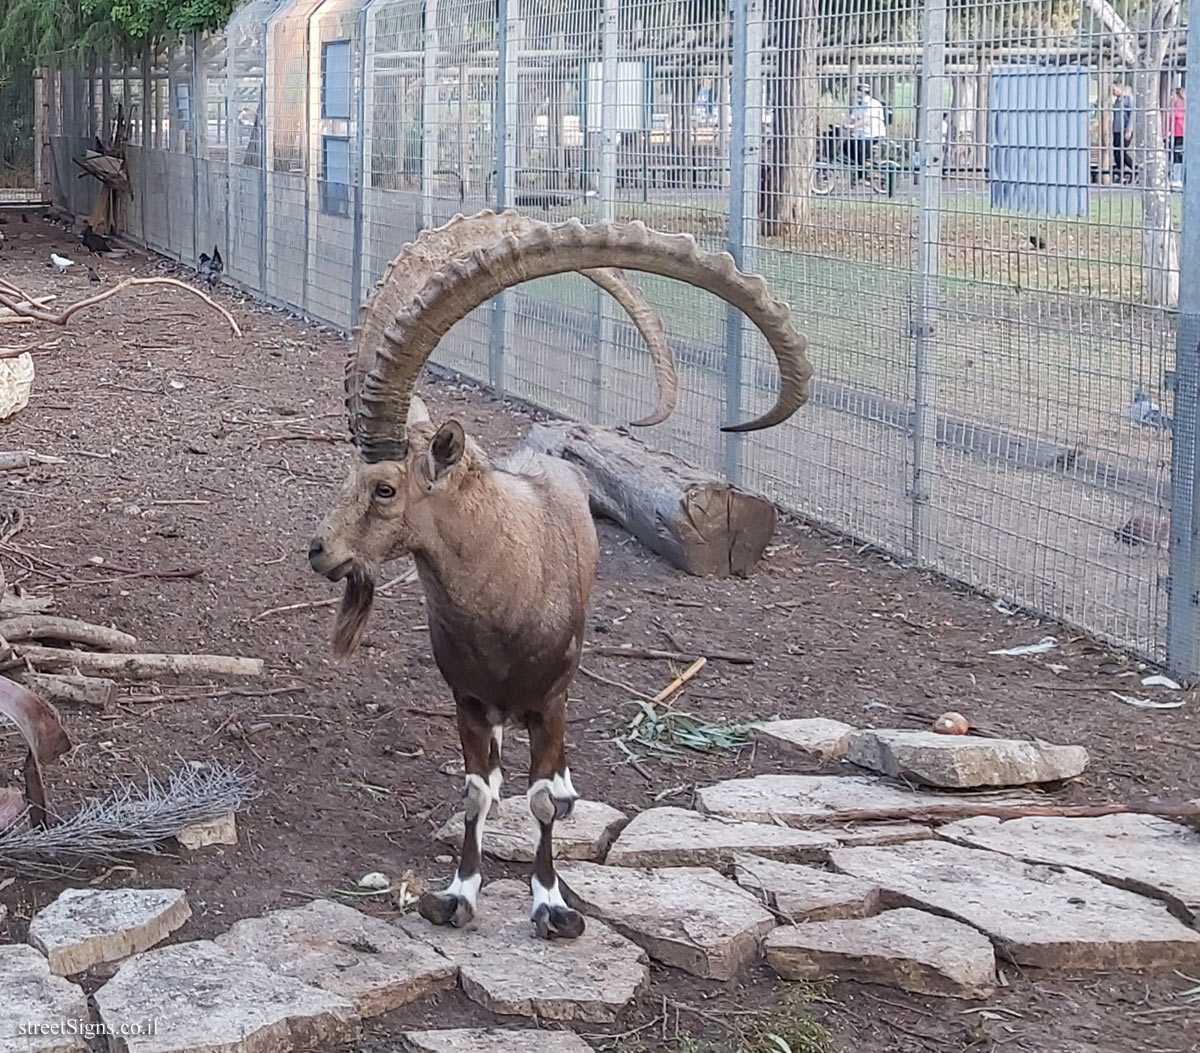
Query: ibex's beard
point(353, 613)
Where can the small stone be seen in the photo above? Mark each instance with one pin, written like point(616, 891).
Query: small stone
point(375, 881)
point(905, 948)
point(506, 969)
point(443, 860)
point(365, 960)
point(219, 831)
point(688, 917)
point(205, 999)
point(32, 995)
point(1143, 853)
point(508, 833)
point(963, 762)
point(813, 800)
point(820, 738)
point(1043, 916)
point(493, 1040)
point(84, 927)
point(801, 893)
point(678, 837)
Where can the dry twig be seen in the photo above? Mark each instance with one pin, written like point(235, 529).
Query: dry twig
point(138, 666)
point(70, 630)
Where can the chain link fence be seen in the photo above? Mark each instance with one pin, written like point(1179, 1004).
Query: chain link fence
point(974, 208)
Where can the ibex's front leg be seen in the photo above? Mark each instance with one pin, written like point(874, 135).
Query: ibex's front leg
point(551, 797)
point(481, 755)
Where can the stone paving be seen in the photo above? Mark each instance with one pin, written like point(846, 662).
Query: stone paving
point(763, 867)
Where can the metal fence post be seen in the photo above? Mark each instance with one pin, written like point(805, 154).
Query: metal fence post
point(360, 175)
point(506, 160)
point(429, 105)
point(745, 148)
point(927, 292)
point(1183, 601)
point(609, 140)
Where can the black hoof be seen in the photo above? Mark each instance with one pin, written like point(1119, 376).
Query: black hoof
point(441, 908)
point(564, 807)
point(561, 922)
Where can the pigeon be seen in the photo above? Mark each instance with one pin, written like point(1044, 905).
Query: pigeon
point(93, 276)
point(93, 241)
point(61, 263)
point(1145, 411)
point(211, 266)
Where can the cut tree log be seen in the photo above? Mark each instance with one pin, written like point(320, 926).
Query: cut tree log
point(70, 630)
point(14, 606)
point(138, 666)
point(698, 522)
point(12, 460)
point(88, 690)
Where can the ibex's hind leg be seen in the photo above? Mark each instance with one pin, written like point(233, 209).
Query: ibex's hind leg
point(551, 797)
point(481, 755)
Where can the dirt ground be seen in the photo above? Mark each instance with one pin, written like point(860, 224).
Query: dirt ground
point(186, 448)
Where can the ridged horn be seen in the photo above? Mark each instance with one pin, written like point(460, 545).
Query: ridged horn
point(389, 358)
point(420, 260)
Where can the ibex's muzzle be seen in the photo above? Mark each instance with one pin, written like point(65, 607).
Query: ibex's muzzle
point(326, 563)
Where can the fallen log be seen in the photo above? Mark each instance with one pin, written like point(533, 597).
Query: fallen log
point(698, 522)
point(54, 687)
point(137, 666)
point(12, 460)
point(12, 606)
point(70, 630)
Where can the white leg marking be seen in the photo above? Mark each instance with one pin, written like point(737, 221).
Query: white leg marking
point(561, 786)
point(479, 793)
point(468, 888)
point(541, 795)
point(496, 776)
point(548, 897)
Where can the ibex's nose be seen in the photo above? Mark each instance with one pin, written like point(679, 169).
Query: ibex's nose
point(316, 548)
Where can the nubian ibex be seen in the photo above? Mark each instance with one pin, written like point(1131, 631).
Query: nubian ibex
point(505, 550)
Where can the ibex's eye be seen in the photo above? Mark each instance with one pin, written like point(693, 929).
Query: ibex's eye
point(384, 492)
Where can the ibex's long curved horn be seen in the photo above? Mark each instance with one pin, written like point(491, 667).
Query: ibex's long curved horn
point(408, 273)
point(391, 354)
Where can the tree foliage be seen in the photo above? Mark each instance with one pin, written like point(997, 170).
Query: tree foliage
point(45, 31)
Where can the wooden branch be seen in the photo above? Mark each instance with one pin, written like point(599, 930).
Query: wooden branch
point(138, 666)
point(12, 806)
point(945, 813)
point(610, 651)
point(69, 630)
point(12, 606)
point(86, 690)
point(14, 460)
point(64, 316)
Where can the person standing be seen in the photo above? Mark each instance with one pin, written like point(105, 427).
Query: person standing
point(867, 124)
point(1175, 122)
point(1122, 134)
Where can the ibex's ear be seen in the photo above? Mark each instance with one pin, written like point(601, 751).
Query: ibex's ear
point(446, 449)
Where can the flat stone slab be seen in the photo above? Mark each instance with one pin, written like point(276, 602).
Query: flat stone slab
point(818, 737)
point(206, 1000)
point(86, 926)
point(803, 893)
point(493, 1040)
point(688, 917)
point(904, 948)
point(31, 994)
point(962, 762)
point(509, 831)
point(219, 831)
point(506, 969)
point(661, 837)
point(1144, 853)
point(1036, 915)
point(816, 800)
point(369, 962)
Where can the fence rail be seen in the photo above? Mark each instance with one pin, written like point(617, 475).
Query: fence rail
point(975, 208)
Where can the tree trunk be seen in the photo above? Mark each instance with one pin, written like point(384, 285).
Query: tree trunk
point(1160, 246)
point(960, 150)
point(792, 95)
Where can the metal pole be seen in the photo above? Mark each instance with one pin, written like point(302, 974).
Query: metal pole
point(507, 30)
point(1183, 601)
point(429, 102)
point(745, 148)
point(925, 301)
point(360, 177)
point(609, 139)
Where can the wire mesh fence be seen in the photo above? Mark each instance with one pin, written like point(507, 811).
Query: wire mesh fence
point(974, 207)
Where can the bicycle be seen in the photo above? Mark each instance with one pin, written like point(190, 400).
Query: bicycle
point(840, 171)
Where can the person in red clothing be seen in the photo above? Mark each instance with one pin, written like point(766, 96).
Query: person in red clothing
point(1175, 123)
